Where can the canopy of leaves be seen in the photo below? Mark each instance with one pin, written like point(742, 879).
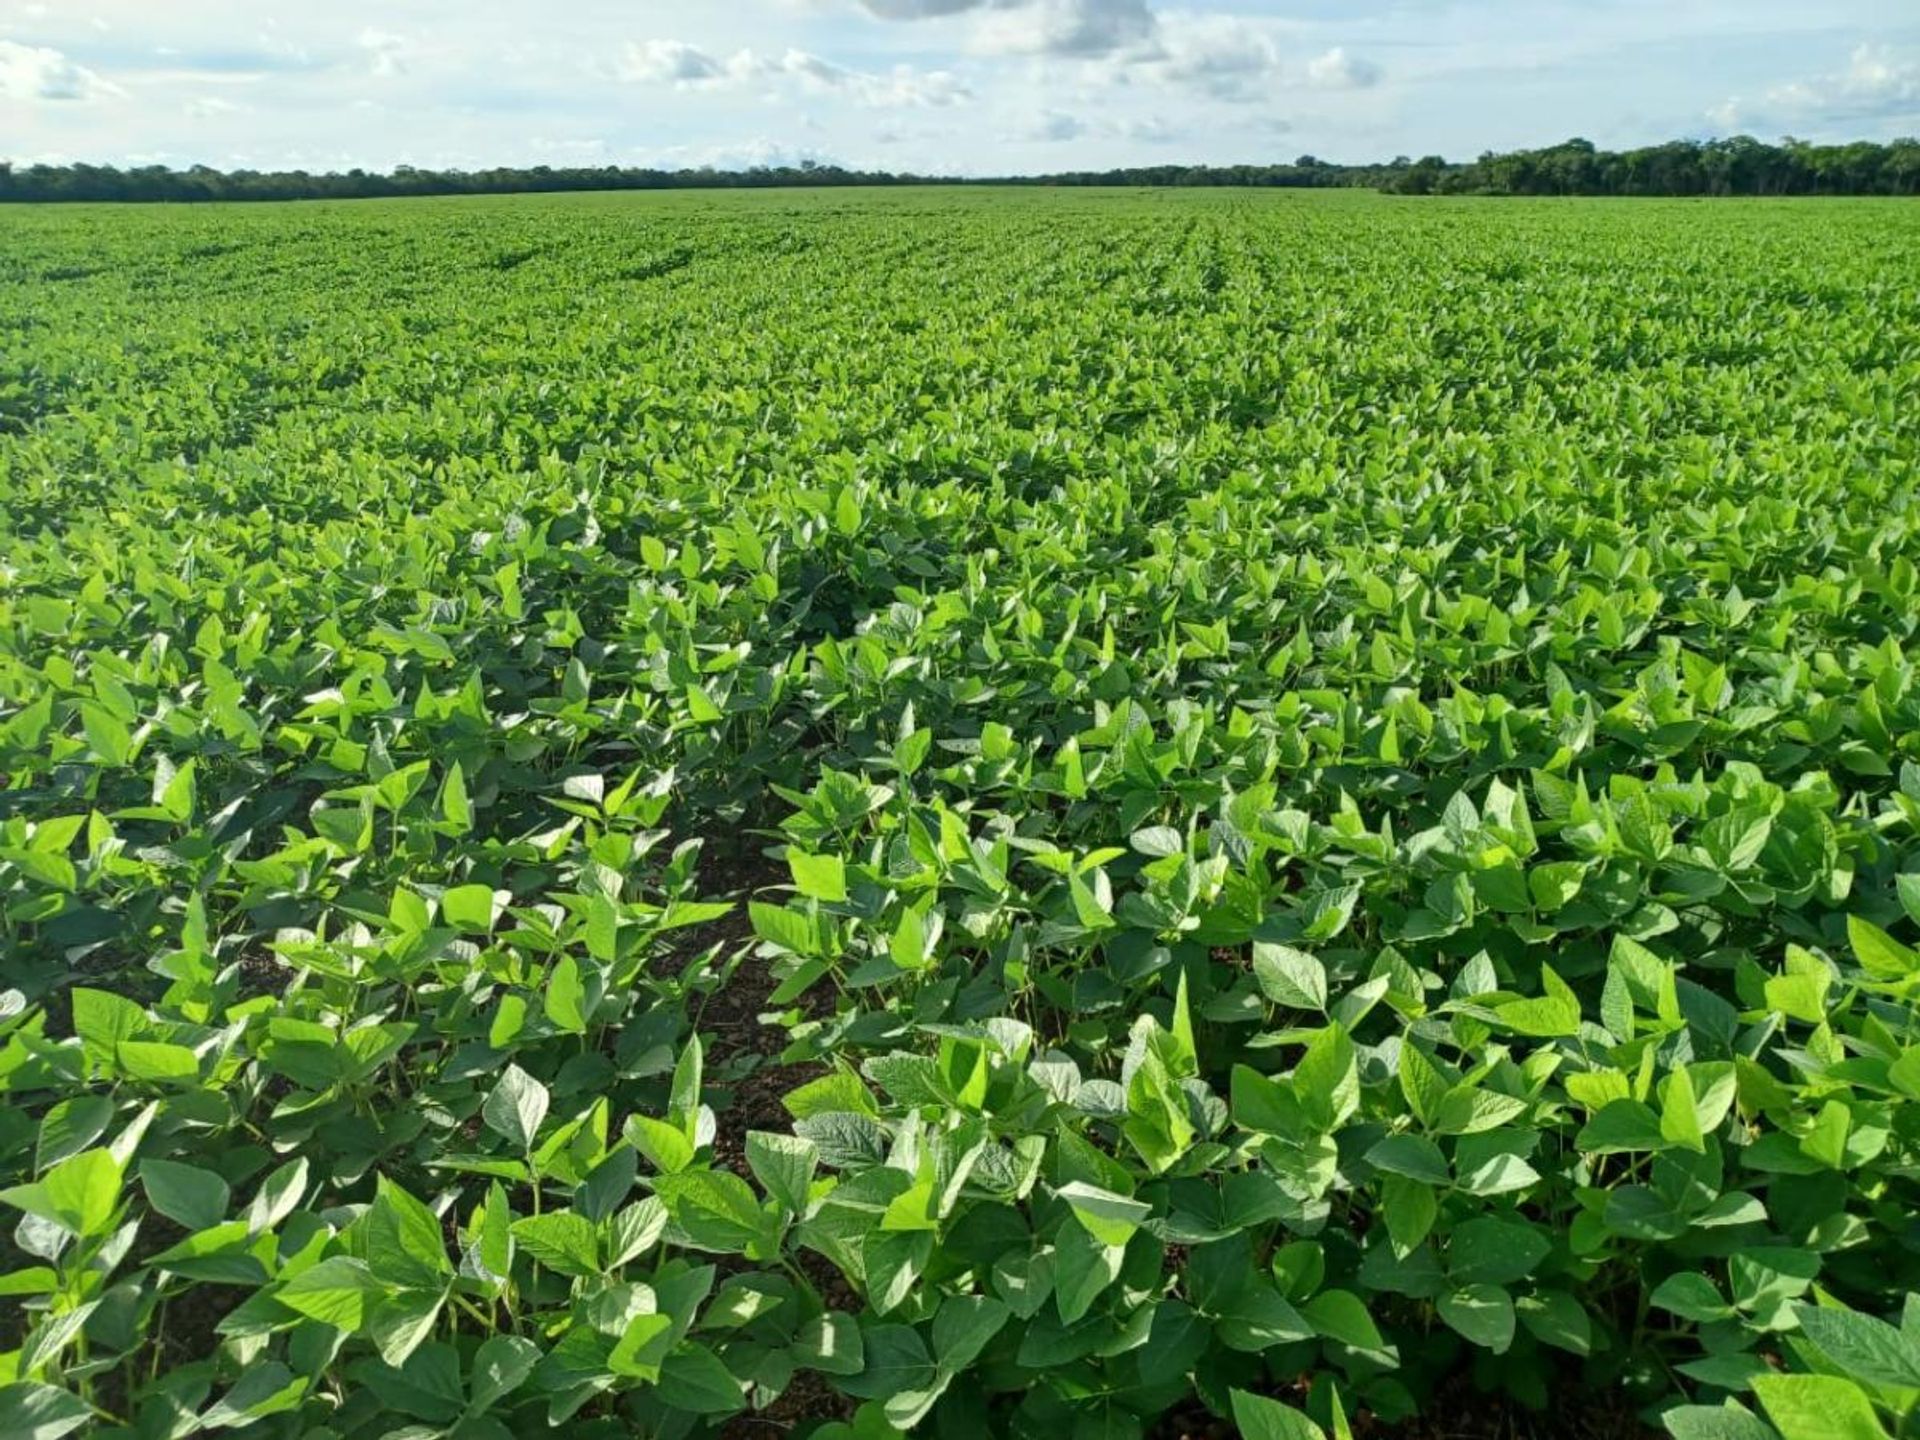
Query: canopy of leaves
point(981, 815)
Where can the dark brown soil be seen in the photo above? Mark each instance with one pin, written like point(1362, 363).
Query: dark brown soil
point(806, 1401)
point(738, 1039)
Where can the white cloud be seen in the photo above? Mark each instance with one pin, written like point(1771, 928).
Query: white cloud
point(1217, 55)
point(387, 52)
point(689, 67)
point(1069, 28)
point(675, 62)
point(1151, 130)
point(1337, 70)
point(1727, 115)
point(1876, 84)
point(919, 9)
point(744, 155)
point(1054, 126)
point(210, 107)
point(904, 87)
point(34, 72)
point(911, 83)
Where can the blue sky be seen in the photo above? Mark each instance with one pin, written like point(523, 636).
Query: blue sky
point(954, 86)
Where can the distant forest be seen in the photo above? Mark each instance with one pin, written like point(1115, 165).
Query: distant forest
point(1737, 166)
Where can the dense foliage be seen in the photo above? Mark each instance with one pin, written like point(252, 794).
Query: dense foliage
point(979, 814)
point(1737, 166)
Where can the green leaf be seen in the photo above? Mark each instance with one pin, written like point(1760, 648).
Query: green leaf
point(1341, 1315)
point(915, 1208)
point(1482, 1313)
point(1817, 1407)
point(1692, 1296)
point(1111, 1219)
point(1326, 1081)
point(1158, 841)
point(846, 512)
point(962, 1327)
point(896, 1363)
point(701, 707)
point(264, 1390)
point(80, 1194)
point(401, 1322)
point(1464, 1110)
point(1555, 1014)
point(566, 997)
point(715, 1209)
point(1716, 1422)
point(157, 1062)
point(1259, 1418)
point(1413, 1156)
point(185, 1194)
point(1083, 1267)
point(819, 877)
point(1493, 1250)
point(694, 1380)
point(1555, 1318)
point(404, 1245)
point(683, 1097)
point(69, 1127)
point(565, 1242)
point(1880, 955)
point(1409, 1208)
point(516, 1107)
point(784, 1166)
point(339, 1291)
point(643, 1347)
point(1422, 1083)
point(1621, 1125)
point(40, 1412)
point(500, 1366)
point(1290, 977)
point(1679, 1118)
point(470, 907)
point(607, 1184)
point(277, 1196)
point(1864, 1347)
point(830, 1343)
point(666, 1147)
point(786, 929)
point(102, 1020)
point(426, 1385)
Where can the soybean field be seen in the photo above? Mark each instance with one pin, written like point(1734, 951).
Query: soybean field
point(1061, 815)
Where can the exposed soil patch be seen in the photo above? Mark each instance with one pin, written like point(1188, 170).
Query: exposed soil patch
point(739, 1040)
point(730, 1023)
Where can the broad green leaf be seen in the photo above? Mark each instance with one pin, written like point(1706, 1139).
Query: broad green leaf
point(818, 877)
point(516, 1107)
point(1716, 1422)
point(1482, 1313)
point(1259, 1418)
point(1866, 1348)
point(339, 1291)
point(186, 1194)
point(566, 997)
point(693, 1380)
point(1817, 1407)
point(1290, 977)
point(30, 1411)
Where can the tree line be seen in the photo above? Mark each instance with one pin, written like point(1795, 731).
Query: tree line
point(1740, 165)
